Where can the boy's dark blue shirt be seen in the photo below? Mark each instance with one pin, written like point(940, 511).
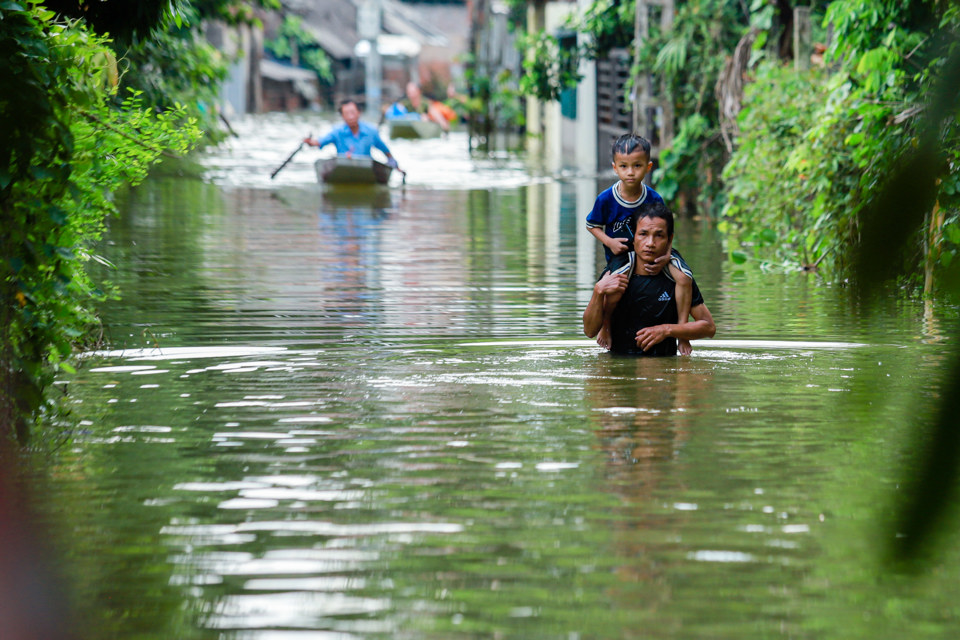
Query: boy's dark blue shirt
point(614, 214)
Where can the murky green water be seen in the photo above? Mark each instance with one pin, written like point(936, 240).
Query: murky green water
point(329, 416)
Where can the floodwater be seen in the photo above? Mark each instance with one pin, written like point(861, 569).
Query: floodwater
point(328, 415)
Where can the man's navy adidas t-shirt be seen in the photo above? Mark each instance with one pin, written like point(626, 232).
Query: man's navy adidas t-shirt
point(647, 301)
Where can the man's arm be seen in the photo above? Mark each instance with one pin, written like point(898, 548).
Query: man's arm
point(378, 143)
point(593, 314)
point(320, 143)
point(701, 327)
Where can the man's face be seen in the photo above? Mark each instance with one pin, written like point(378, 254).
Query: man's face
point(651, 240)
point(631, 168)
point(350, 114)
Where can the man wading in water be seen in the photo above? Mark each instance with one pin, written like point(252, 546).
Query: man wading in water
point(644, 321)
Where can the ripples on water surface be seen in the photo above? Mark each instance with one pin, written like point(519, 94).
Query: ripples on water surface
point(324, 415)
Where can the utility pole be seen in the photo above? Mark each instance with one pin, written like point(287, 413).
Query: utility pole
point(368, 23)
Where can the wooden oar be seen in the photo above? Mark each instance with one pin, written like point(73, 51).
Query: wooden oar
point(287, 161)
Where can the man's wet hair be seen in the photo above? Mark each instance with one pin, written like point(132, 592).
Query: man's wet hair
point(655, 210)
point(344, 103)
point(628, 143)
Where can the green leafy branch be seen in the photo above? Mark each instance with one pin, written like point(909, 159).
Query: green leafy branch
point(57, 172)
point(295, 41)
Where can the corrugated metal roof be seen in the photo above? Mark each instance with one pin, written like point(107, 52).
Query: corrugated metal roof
point(281, 72)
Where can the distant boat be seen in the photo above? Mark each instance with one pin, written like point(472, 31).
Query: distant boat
point(410, 128)
point(344, 170)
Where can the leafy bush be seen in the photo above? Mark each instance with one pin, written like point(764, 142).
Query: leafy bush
point(293, 34)
point(816, 145)
point(548, 68)
point(173, 63)
point(72, 147)
point(774, 203)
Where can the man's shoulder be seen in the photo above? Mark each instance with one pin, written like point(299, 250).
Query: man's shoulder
point(366, 127)
point(337, 130)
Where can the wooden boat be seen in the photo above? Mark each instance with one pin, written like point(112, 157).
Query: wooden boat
point(411, 128)
point(344, 170)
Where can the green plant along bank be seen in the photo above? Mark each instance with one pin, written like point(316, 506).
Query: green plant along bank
point(76, 139)
point(816, 145)
point(83, 116)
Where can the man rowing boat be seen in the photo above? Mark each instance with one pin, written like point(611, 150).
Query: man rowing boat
point(353, 138)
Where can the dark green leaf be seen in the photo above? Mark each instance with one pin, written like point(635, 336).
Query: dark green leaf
point(58, 215)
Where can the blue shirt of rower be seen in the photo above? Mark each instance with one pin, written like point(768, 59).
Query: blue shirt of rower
point(366, 138)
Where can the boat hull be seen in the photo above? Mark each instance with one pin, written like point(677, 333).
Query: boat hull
point(343, 170)
point(406, 128)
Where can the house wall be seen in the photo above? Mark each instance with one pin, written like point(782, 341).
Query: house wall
point(241, 90)
point(546, 132)
point(585, 157)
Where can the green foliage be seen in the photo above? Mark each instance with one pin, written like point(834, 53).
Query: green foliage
point(125, 21)
point(516, 14)
point(548, 68)
point(830, 138)
point(494, 103)
point(772, 211)
point(610, 25)
point(73, 146)
point(293, 39)
point(176, 64)
point(688, 59)
point(680, 164)
point(551, 68)
point(231, 11)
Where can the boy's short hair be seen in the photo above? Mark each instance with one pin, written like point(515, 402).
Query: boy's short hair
point(628, 143)
point(344, 103)
point(654, 210)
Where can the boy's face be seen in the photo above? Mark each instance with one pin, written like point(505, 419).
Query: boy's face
point(631, 168)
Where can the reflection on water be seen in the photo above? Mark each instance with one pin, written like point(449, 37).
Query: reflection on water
point(325, 417)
